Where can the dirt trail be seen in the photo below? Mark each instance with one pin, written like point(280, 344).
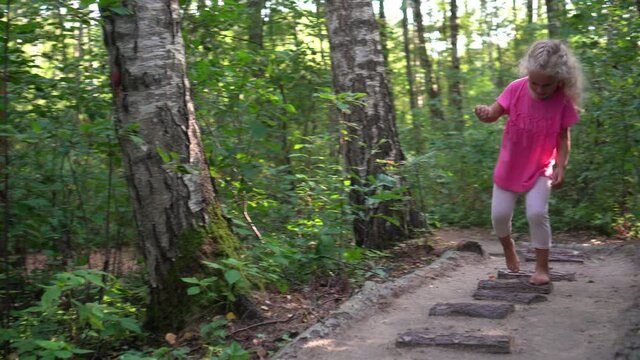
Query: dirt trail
point(590, 318)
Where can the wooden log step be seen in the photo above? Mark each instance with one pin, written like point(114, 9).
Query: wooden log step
point(513, 297)
point(555, 275)
point(516, 285)
point(500, 344)
point(558, 255)
point(487, 311)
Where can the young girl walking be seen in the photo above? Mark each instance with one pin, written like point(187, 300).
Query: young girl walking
point(541, 107)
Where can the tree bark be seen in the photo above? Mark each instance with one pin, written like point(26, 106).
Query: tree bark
point(455, 84)
point(487, 311)
point(178, 218)
point(514, 297)
point(371, 148)
point(256, 23)
point(430, 85)
point(555, 10)
point(383, 33)
point(497, 344)
point(417, 138)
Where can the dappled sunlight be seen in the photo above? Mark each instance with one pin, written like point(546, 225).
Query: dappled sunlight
point(325, 344)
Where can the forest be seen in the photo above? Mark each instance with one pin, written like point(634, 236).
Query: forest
point(161, 160)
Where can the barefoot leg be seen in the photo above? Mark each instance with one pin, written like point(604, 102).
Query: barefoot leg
point(511, 257)
point(541, 275)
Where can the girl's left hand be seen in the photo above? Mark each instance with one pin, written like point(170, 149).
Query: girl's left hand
point(557, 178)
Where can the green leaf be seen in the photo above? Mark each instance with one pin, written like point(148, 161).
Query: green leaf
point(194, 290)
point(191, 280)
point(121, 10)
point(50, 345)
point(51, 297)
point(165, 157)
point(131, 324)
point(63, 354)
point(232, 276)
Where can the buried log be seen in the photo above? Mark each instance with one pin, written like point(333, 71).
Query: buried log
point(555, 275)
point(557, 255)
point(513, 297)
point(479, 342)
point(487, 311)
point(515, 285)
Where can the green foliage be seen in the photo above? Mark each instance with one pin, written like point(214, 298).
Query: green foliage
point(79, 312)
point(231, 277)
point(271, 129)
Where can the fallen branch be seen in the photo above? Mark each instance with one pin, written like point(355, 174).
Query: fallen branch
point(263, 323)
point(245, 212)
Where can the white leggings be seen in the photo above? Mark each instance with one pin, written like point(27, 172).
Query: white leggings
point(537, 204)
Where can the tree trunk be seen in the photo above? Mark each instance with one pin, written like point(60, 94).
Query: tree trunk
point(455, 85)
point(4, 143)
point(371, 148)
point(178, 218)
point(383, 33)
point(555, 10)
point(430, 85)
point(417, 138)
point(255, 24)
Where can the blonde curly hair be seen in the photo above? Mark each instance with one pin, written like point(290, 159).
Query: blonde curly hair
point(554, 58)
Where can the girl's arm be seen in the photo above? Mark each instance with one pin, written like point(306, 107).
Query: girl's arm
point(562, 159)
point(489, 114)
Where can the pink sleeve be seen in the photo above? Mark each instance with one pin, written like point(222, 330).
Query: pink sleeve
point(569, 115)
point(506, 97)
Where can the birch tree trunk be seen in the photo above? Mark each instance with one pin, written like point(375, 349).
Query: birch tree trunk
point(383, 211)
point(178, 218)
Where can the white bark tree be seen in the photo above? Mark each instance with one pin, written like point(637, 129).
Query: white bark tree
point(371, 148)
point(178, 218)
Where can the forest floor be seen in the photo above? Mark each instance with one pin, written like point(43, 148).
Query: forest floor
point(595, 317)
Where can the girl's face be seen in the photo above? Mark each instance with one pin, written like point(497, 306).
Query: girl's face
point(542, 86)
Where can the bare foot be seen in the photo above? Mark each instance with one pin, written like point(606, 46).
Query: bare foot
point(541, 275)
point(539, 278)
point(510, 255)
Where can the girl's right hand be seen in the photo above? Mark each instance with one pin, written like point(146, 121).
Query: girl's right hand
point(483, 112)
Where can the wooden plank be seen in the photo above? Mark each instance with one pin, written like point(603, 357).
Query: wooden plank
point(499, 344)
point(514, 297)
point(515, 285)
point(555, 275)
point(574, 258)
point(558, 255)
point(487, 311)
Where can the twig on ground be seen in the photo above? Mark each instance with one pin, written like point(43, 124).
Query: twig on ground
point(263, 323)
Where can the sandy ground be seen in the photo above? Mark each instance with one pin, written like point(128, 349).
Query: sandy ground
point(585, 319)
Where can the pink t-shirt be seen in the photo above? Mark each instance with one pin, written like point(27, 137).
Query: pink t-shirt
point(530, 137)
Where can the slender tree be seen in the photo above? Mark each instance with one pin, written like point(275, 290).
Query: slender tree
point(383, 33)
point(430, 84)
point(179, 220)
point(256, 23)
point(383, 212)
point(455, 86)
point(413, 102)
point(6, 299)
point(417, 138)
point(555, 11)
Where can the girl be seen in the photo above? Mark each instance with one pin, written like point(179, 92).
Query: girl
point(541, 108)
